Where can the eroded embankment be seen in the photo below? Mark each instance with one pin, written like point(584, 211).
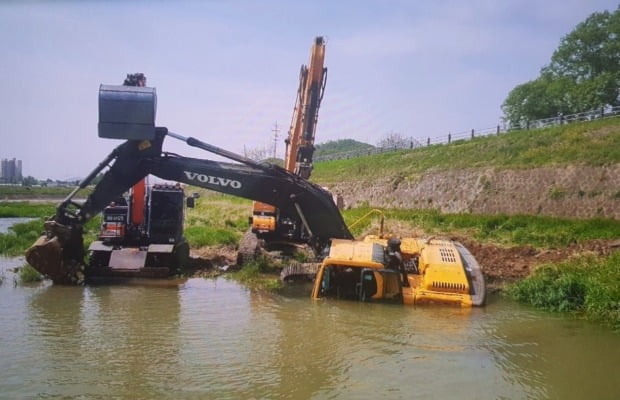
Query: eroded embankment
point(560, 191)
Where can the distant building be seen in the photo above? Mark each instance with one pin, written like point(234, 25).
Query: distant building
point(11, 170)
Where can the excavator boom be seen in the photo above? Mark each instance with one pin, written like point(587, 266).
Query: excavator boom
point(300, 141)
point(269, 223)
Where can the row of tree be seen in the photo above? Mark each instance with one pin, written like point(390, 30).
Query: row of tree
point(584, 74)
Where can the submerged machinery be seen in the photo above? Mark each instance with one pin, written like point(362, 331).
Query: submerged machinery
point(418, 271)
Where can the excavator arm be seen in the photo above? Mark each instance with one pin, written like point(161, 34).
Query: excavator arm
point(300, 141)
point(59, 255)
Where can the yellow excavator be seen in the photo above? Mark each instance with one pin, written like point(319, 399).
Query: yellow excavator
point(273, 227)
point(407, 271)
point(389, 269)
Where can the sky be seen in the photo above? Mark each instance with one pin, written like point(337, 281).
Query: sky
point(226, 71)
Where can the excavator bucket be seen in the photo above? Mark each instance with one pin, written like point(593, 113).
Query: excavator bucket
point(55, 260)
point(45, 255)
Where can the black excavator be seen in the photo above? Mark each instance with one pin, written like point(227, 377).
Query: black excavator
point(128, 113)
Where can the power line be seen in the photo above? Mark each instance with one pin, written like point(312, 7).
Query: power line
point(275, 131)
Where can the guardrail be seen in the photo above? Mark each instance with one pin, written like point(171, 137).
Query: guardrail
point(412, 143)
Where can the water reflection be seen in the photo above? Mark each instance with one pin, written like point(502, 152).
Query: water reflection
point(108, 340)
point(552, 356)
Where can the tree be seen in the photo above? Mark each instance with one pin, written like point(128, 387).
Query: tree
point(257, 153)
point(394, 140)
point(340, 146)
point(584, 74)
point(29, 181)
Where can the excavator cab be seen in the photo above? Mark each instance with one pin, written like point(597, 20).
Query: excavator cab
point(115, 218)
point(165, 214)
point(143, 239)
point(437, 271)
point(359, 283)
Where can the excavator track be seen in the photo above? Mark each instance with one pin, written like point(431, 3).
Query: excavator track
point(299, 272)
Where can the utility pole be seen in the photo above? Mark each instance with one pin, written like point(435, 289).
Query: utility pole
point(275, 139)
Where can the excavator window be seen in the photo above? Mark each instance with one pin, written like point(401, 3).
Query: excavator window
point(341, 281)
point(361, 284)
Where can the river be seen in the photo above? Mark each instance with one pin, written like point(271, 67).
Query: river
point(215, 339)
point(6, 223)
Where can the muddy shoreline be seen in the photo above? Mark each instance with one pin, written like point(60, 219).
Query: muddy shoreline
point(501, 265)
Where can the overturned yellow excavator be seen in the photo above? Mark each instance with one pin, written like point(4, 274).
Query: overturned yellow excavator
point(389, 269)
point(421, 271)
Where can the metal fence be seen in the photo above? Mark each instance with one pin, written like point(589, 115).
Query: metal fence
point(412, 143)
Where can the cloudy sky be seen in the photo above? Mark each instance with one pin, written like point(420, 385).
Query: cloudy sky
point(226, 71)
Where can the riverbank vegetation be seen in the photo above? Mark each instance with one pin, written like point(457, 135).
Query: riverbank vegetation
point(505, 230)
point(259, 274)
point(24, 209)
point(585, 285)
point(21, 236)
point(40, 192)
point(216, 219)
point(220, 219)
point(27, 274)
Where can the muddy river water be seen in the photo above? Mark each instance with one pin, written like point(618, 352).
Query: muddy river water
point(214, 339)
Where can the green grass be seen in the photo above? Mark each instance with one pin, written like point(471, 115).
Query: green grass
point(26, 209)
point(20, 237)
point(28, 274)
point(199, 236)
point(217, 219)
point(259, 274)
point(588, 143)
point(589, 286)
point(14, 191)
point(537, 231)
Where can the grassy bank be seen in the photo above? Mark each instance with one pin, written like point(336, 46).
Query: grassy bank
point(217, 219)
point(536, 231)
point(592, 143)
point(588, 286)
point(259, 274)
point(32, 192)
point(21, 236)
point(220, 219)
point(24, 209)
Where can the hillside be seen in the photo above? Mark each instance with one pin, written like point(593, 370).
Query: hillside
point(339, 146)
point(569, 171)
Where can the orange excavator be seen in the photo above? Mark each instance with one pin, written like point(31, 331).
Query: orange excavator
point(276, 229)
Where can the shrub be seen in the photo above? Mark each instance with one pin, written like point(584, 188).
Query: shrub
point(587, 285)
